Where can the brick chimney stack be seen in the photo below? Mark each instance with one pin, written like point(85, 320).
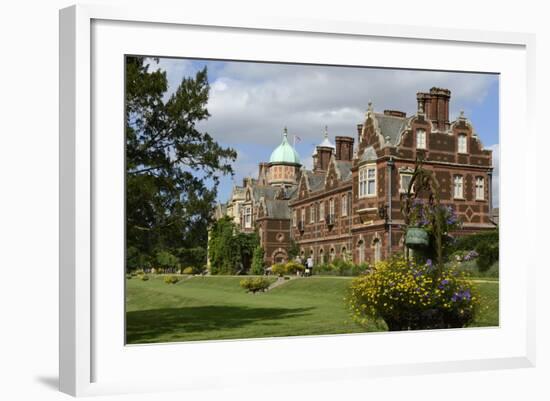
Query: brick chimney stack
point(323, 157)
point(435, 106)
point(344, 148)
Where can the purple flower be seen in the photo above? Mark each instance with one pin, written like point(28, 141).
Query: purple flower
point(429, 262)
point(444, 282)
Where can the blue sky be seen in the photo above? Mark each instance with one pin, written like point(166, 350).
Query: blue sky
point(251, 103)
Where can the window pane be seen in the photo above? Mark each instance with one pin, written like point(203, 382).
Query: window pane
point(405, 181)
point(371, 188)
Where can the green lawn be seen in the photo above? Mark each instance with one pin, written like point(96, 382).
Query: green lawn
point(210, 308)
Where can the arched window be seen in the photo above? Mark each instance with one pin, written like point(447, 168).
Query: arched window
point(361, 246)
point(321, 256)
point(377, 245)
point(332, 254)
point(344, 253)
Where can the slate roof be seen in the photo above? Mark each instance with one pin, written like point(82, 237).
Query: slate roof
point(391, 126)
point(344, 167)
point(277, 209)
point(316, 180)
point(259, 191)
point(368, 155)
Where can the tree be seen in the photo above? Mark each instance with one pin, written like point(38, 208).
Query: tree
point(293, 249)
point(166, 260)
point(172, 169)
point(258, 261)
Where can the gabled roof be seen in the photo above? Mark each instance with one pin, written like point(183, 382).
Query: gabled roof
point(391, 127)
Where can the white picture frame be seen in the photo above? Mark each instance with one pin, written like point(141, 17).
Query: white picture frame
point(93, 358)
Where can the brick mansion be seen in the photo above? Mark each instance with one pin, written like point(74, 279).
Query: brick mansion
point(349, 204)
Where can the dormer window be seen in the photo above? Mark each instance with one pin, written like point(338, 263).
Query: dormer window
point(462, 143)
point(420, 139)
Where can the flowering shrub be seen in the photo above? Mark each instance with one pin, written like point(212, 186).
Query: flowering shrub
point(423, 214)
point(410, 296)
point(255, 284)
point(188, 270)
point(340, 267)
point(293, 267)
point(278, 269)
point(464, 256)
point(171, 279)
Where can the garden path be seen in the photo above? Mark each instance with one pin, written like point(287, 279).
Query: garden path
point(280, 281)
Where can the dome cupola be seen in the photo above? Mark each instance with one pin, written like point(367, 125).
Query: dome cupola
point(285, 152)
point(284, 164)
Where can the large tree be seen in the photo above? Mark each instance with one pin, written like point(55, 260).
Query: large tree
point(172, 168)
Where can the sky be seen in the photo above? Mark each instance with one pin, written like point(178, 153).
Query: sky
point(251, 103)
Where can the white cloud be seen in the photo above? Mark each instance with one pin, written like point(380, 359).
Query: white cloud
point(251, 103)
point(254, 101)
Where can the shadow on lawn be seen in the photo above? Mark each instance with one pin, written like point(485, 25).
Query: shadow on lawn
point(148, 325)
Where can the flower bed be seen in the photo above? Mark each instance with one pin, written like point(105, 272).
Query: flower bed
point(411, 296)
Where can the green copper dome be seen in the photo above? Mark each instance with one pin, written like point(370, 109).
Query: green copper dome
point(285, 153)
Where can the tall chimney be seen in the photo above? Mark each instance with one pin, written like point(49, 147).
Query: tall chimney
point(344, 148)
point(323, 157)
point(435, 106)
